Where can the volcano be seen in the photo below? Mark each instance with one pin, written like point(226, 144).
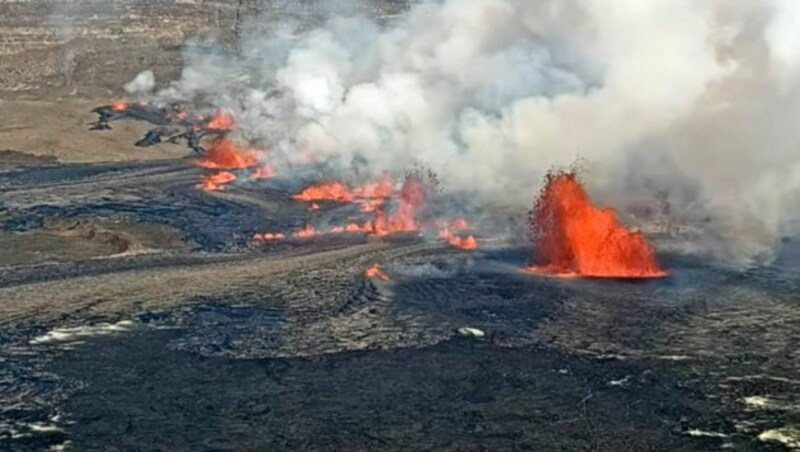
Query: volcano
point(573, 237)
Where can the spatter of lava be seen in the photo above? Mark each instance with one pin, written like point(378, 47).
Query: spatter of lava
point(370, 196)
point(375, 271)
point(404, 216)
point(572, 237)
point(223, 154)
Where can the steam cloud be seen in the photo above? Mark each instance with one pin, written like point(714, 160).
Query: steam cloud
point(692, 103)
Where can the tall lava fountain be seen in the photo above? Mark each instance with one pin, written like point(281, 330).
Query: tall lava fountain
point(574, 238)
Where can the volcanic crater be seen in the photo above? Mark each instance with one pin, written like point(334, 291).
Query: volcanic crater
point(182, 294)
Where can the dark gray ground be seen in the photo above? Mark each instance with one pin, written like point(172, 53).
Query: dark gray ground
point(136, 315)
point(206, 342)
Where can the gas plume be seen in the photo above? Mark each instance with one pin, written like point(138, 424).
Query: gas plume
point(691, 106)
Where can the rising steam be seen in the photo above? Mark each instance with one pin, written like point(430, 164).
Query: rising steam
point(694, 104)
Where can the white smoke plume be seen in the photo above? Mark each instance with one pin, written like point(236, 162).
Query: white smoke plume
point(691, 103)
point(142, 84)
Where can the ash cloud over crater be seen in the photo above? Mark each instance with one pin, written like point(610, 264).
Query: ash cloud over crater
point(691, 103)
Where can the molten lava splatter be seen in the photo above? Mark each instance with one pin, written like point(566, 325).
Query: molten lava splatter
point(354, 227)
point(403, 219)
point(383, 188)
point(375, 271)
point(268, 236)
point(314, 206)
point(369, 197)
point(222, 120)
point(466, 243)
point(306, 232)
point(459, 224)
point(224, 154)
point(574, 238)
point(119, 105)
point(216, 181)
point(262, 172)
point(329, 191)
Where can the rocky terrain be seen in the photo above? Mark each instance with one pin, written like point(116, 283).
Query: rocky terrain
point(137, 312)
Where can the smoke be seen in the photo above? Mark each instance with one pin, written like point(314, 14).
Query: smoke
point(691, 102)
point(141, 84)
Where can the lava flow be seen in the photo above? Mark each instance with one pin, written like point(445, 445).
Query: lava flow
point(375, 271)
point(329, 191)
point(466, 243)
point(119, 105)
point(217, 181)
point(224, 154)
point(403, 219)
point(370, 197)
point(222, 120)
point(574, 238)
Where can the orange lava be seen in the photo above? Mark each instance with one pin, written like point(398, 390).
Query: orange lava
point(574, 238)
point(459, 224)
point(375, 271)
point(222, 120)
point(224, 154)
point(370, 205)
point(119, 105)
point(263, 172)
point(355, 227)
point(306, 232)
point(216, 181)
point(383, 188)
point(268, 236)
point(330, 191)
point(403, 219)
point(314, 206)
point(466, 243)
point(370, 196)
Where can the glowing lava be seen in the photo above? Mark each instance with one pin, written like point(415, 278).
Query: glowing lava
point(403, 219)
point(383, 188)
point(263, 172)
point(119, 105)
point(459, 224)
point(574, 238)
point(466, 243)
point(216, 181)
point(224, 154)
point(222, 120)
point(329, 191)
point(375, 271)
point(268, 236)
point(306, 232)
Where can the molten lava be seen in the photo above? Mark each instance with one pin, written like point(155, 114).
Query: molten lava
point(222, 120)
point(459, 224)
point(263, 172)
point(268, 236)
point(467, 243)
point(574, 238)
point(370, 197)
point(375, 271)
point(383, 188)
point(224, 154)
point(119, 105)
point(330, 191)
point(306, 232)
point(403, 219)
point(216, 181)
point(314, 206)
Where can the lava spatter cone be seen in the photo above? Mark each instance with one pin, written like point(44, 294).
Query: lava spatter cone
point(574, 238)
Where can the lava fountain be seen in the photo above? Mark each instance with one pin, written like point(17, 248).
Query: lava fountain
point(575, 238)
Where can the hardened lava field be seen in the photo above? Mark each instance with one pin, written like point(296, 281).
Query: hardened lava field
point(125, 282)
point(171, 281)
